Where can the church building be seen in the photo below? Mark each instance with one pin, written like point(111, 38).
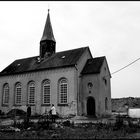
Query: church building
point(72, 80)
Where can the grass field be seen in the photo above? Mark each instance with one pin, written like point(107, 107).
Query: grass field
point(71, 131)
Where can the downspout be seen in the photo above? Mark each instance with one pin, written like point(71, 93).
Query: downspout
point(77, 89)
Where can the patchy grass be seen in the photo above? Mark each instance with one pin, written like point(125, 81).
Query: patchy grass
point(47, 130)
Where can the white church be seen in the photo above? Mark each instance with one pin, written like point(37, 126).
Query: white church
point(72, 80)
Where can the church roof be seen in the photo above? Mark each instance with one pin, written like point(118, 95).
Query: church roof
point(48, 31)
point(93, 65)
point(57, 60)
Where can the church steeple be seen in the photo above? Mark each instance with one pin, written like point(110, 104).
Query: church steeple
point(47, 43)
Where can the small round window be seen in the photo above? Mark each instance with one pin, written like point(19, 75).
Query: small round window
point(90, 85)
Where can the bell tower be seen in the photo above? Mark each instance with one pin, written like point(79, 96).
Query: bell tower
point(47, 43)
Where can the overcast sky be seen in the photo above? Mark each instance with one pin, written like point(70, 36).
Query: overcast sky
point(110, 29)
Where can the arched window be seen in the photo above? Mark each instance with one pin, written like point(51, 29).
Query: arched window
point(31, 93)
point(46, 91)
point(18, 95)
point(63, 91)
point(5, 94)
point(105, 80)
point(106, 103)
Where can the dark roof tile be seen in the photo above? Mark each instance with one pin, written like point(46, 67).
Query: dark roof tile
point(93, 65)
point(59, 59)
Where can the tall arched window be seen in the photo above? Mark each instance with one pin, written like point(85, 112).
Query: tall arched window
point(106, 103)
point(18, 95)
point(31, 92)
point(6, 94)
point(63, 91)
point(46, 91)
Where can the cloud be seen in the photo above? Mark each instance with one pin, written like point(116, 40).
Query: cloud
point(110, 29)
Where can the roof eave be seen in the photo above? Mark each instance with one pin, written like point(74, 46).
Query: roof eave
point(90, 73)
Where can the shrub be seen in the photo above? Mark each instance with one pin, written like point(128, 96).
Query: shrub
point(129, 129)
point(119, 122)
point(17, 112)
point(66, 123)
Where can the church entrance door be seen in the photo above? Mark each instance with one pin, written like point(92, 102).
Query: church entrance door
point(91, 106)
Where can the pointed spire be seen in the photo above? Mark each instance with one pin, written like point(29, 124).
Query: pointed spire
point(48, 31)
point(47, 43)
